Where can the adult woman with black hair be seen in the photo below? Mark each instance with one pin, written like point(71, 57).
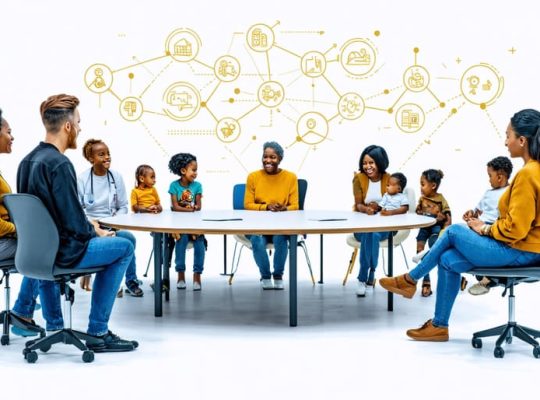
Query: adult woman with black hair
point(369, 186)
point(512, 240)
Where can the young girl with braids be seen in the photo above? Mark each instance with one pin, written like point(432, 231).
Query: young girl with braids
point(144, 196)
point(186, 196)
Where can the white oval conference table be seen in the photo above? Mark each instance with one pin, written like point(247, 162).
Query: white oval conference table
point(293, 223)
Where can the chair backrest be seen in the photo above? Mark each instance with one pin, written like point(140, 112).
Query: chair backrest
point(411, 195)
point(37, 236)
point(239, 191)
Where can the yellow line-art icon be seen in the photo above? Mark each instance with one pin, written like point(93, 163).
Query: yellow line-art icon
point(416, 78)
point(410, 117)
point(182, 101)
point(481, 84)
point(98, 78)
point(312, 128)
point(351, 106)
point(131, 108)
point(313, 64)
point(260, 37)
point(183, 45)
point(358, 56)
point(228, 129)
point(227, 68)
point(271, 94)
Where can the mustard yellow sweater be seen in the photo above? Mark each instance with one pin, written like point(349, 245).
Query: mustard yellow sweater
point(519, 210)
point(263, 189)
point(6, 227)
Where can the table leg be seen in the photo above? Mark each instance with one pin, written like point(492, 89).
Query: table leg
point(158, 258)
point(321, 280)
point(293, 306)
point(390, 268)
point(224, 254)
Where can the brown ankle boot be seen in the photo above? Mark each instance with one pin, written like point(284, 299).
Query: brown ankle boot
point(399, 285)
point(429, 333)
point(86, 283)
point(196, 282)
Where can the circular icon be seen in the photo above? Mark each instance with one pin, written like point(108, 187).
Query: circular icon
point(416, 78)
point(228, 129)
point(312, 128)
point(131, 108)
point(313, 64)
point(358, 57)
point(351, 106)
point(410, 117)
point(98, 78)
point(227, 68)
point(182, 101)
point(271, 94)
point(481, 84)
point(183, 45)
point(260, 37)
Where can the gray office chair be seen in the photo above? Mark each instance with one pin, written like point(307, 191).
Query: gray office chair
point(37, 246)
point(242, 241)
point(7, 317)
point(398, 239)
point(509, 277)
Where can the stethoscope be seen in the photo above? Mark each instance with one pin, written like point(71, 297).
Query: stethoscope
point(89, 198)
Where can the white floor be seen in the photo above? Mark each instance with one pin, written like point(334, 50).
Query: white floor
point(234, 342)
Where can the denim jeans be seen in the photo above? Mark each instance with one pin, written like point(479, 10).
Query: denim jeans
point(281, 249)
point(199, 251)
point(460, 249)
point(113, 252)
point(429, 235)
point(369, 253)
point(131, 272)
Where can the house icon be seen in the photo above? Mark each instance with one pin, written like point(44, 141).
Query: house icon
point(183, 48)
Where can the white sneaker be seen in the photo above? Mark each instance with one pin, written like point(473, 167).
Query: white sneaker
point(267, 284)
point(181, 285)
point(418, 256)
point(478, 289)
point(361, 290)
point(278, 284)
point(196, 286)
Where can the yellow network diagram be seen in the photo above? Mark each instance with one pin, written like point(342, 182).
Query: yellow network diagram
point(254, 88)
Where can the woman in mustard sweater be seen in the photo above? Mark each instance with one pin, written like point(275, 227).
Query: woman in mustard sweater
point(271, 189)
point(512, 240)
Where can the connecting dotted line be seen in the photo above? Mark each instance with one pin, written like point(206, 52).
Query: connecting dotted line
point(493, 124)
point(158, 143)
point(191, 132)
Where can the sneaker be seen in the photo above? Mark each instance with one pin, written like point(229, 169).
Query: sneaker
point(23, 332)
point(267, 284)
point(478, 289)
point(110, 343)
point(361, 290)
point(196, 282)
point(139, 282)
point(181, 285)
point(399, 285)
point(278, 284)
point(418, 256)
point(133, 289)
point(429, 333)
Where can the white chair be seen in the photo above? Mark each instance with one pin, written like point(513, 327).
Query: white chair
point(243, 241)
point(398, 239)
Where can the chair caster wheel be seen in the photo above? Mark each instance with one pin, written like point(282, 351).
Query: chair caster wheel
point(25, 353)
point(31, 357)
point(4, 340)
point(88, 356)
point(498, 352)
point(45, 348)
point(476, 343)
point(536, 352)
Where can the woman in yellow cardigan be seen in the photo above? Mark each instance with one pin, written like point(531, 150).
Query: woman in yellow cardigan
point(271, 189)
point(369, 186)
point(512, 240)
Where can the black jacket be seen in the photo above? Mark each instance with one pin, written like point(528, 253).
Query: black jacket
point(49, 175)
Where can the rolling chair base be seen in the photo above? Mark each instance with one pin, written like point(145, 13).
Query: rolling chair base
point(506, 333)
point(7, 318)
point(67, 336)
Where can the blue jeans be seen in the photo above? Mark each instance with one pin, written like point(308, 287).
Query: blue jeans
point(199, 250)
point(113, 252)
point(131, 272)
point(460, 249)
point(26, 303)
point(281, 249)
point(430, 235)
point(369, 253)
